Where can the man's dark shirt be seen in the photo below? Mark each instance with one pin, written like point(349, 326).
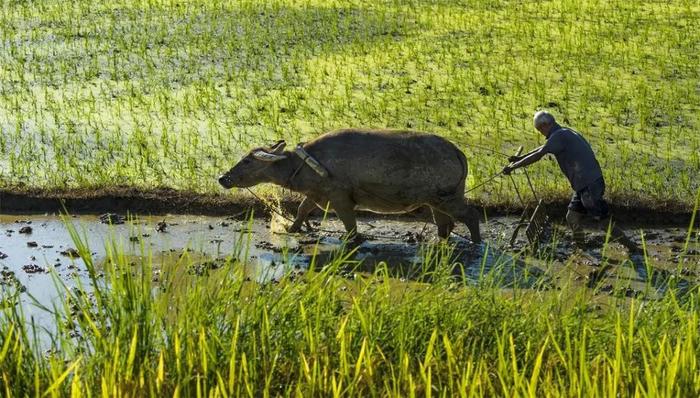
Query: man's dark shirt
point(574, 155)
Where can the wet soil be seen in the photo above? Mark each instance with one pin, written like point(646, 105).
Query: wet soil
point(100, 200)
point(30, 259)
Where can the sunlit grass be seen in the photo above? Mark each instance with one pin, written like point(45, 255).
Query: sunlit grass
point(335, 332)
point(161, 93)
point(170, 93)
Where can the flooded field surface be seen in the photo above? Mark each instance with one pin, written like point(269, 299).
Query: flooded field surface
point(31, 247)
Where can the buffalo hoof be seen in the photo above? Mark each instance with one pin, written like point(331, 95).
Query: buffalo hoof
point(293, 229)
point(354, 239)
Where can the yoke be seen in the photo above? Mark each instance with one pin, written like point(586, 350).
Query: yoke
point(311, 161)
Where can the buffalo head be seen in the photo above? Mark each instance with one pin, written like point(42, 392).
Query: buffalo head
point(251, 170)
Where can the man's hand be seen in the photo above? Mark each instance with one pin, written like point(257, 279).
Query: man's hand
point(514, 158)
point(508, 169)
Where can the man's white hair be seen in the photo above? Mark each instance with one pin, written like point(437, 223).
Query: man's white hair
point(542, 118)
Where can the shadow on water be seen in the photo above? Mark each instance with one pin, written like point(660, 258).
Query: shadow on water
point(459, 260)
point(662, 280)
point(642, 274)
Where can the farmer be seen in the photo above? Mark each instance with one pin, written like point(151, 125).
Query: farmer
point(578, 163)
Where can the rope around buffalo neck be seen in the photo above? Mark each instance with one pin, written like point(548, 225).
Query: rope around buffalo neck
point(491, 178)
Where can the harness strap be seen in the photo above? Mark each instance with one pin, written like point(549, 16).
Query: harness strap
point(310, 161)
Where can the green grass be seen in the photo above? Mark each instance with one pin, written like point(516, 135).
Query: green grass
point(323, 334)
point(171, 93)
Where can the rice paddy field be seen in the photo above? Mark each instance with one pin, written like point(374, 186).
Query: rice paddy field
point(171, 93)
point(133, 96)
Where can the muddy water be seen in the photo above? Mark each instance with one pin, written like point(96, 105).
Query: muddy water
point(31, 246)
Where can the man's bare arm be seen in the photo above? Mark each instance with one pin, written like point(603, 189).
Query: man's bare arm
point(514, 159)
point(530, 158)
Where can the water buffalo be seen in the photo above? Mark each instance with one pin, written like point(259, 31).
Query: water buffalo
point(384, 171)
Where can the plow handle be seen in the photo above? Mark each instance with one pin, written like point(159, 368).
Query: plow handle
point(529, 182)
point(515, 186)
point(520, 150)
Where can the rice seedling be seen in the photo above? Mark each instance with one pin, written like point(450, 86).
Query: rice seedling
point(160, 93)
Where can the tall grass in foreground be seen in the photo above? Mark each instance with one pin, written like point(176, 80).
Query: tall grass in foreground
point(326, 335)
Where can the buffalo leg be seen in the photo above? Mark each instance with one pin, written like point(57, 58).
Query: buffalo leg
point(345, 209)
point(307, 205)
point(461, 211)
point(444, 223)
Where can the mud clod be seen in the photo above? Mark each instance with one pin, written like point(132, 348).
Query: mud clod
point(268, 246)
point(70, 252)
point(32, 269)
point(3, 256)
point(409, 237)
point(162, 226)
point(203, 268)
point(651, 236)
point(32, 244)
point(680, 238)
point(25, 230)
point(8, 278)
point(112, 218)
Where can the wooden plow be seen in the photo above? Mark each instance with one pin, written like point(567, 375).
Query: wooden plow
point(535, 222)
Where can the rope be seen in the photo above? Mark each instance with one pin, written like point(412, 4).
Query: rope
point(486, 149)
point(491, 178)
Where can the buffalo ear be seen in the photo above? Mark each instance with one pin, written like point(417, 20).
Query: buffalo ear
point(265, 156)
point(278, 147)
